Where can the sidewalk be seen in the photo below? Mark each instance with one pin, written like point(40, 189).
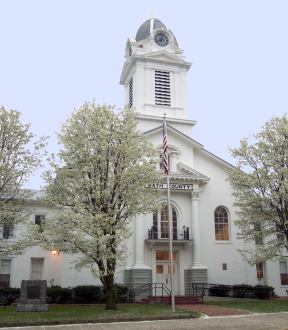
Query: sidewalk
point(211, 310)
point(277, 321)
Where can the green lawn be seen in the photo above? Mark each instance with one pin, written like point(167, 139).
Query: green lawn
point(253, 305)
point(87, 313)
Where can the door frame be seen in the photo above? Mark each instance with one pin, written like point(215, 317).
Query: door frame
point(177, 285)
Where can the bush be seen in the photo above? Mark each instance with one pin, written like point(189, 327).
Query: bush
point(242, 291)
point(58, 295)
point(263, 291)
point(12, 294)
point(88, 294)
point(220, 291)
point(121, 293)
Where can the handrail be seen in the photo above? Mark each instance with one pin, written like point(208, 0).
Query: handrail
point(149, 288)
point(198, 290)
point(153, 234)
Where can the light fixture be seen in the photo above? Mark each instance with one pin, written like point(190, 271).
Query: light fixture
point(55, 252)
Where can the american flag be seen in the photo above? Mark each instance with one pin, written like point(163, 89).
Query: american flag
point(165, 149)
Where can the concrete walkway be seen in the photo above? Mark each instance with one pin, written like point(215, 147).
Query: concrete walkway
point(212, 310)
point(277, 321)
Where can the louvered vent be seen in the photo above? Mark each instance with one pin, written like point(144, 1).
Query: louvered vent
point(130, 101)
point(162, 88)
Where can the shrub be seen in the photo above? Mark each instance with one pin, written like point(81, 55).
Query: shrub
point(220, 291)
point(242, 291)
point(58, 295)
point(12, 294)
point(263, 291)
point(121, 293)
point(88, 294)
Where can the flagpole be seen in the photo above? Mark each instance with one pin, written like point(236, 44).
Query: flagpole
point(169, 212)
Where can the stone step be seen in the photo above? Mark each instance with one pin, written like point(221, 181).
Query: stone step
point(179, 300)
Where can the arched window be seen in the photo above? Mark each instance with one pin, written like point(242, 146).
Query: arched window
point(161, 225)
point(221, 224)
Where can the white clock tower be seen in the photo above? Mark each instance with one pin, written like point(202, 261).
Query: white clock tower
point(154, 77)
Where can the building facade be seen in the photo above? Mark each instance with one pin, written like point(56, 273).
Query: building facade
point(205, 244)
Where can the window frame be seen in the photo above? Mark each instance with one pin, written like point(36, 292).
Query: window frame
point(158, 219)
point(283, 276)
point(42, 219)
point(161, 163)
point(33, 271)
point(260, 272)
point(3, 274)
point(225, 235)
point(7, 228)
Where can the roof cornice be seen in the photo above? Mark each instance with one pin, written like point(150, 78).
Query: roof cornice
point(187, 122)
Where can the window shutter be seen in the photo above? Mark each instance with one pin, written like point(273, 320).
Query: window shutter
point(130, 88)
point(162, 88)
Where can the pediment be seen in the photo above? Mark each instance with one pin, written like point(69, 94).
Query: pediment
point(185, 173)
point(166, 57)
point(192, 173)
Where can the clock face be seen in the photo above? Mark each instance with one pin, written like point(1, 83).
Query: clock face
point(161, 39)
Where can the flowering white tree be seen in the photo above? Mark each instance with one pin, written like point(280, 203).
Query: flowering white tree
point(260, 183)
point(99, 185)
point(20, 155)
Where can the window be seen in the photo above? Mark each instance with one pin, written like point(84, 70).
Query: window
point(165, 224)
point(161, 164)
point(160, 220)
point(258, 234)
point(5, 269)
point(8, 230)
point(159, 269)
point(162, 88)
point(37, 268)
point(39, 220)
point(280, 230)
point(283, 272)
point(221, 224)
point(224, 266)
point(130, 93)
point(165, 256)
point(260, 270)
point(155, 226)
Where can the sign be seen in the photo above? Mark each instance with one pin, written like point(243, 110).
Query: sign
point(173, 186)
point(33, 292)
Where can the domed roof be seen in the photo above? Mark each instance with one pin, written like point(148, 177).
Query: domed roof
point(148, 27)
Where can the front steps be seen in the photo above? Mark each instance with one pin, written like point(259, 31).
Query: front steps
point(179, 300)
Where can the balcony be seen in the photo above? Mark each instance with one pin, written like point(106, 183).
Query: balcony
point(162, 238)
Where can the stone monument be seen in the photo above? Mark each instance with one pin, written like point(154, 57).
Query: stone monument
point(32, 296)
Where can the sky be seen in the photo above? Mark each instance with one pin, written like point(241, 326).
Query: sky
point(57, 54)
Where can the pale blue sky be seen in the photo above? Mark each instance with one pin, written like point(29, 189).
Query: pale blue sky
point(55, 54)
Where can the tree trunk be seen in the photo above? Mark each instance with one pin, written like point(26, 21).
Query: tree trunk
point(110, 291)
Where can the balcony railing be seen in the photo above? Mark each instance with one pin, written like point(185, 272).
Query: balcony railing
point(155, 234)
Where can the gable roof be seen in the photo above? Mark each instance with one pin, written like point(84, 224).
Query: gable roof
point(198, 146)
point(177, 132)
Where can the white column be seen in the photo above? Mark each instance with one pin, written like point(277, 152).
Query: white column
point(139, 237)
point(195, 229)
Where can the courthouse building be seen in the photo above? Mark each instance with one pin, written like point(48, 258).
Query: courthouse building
point(205, 244)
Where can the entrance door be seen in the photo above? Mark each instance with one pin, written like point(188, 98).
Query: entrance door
point(163, 272)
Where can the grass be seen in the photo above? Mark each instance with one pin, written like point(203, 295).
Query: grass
point(253, 305)
point(61, 314)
